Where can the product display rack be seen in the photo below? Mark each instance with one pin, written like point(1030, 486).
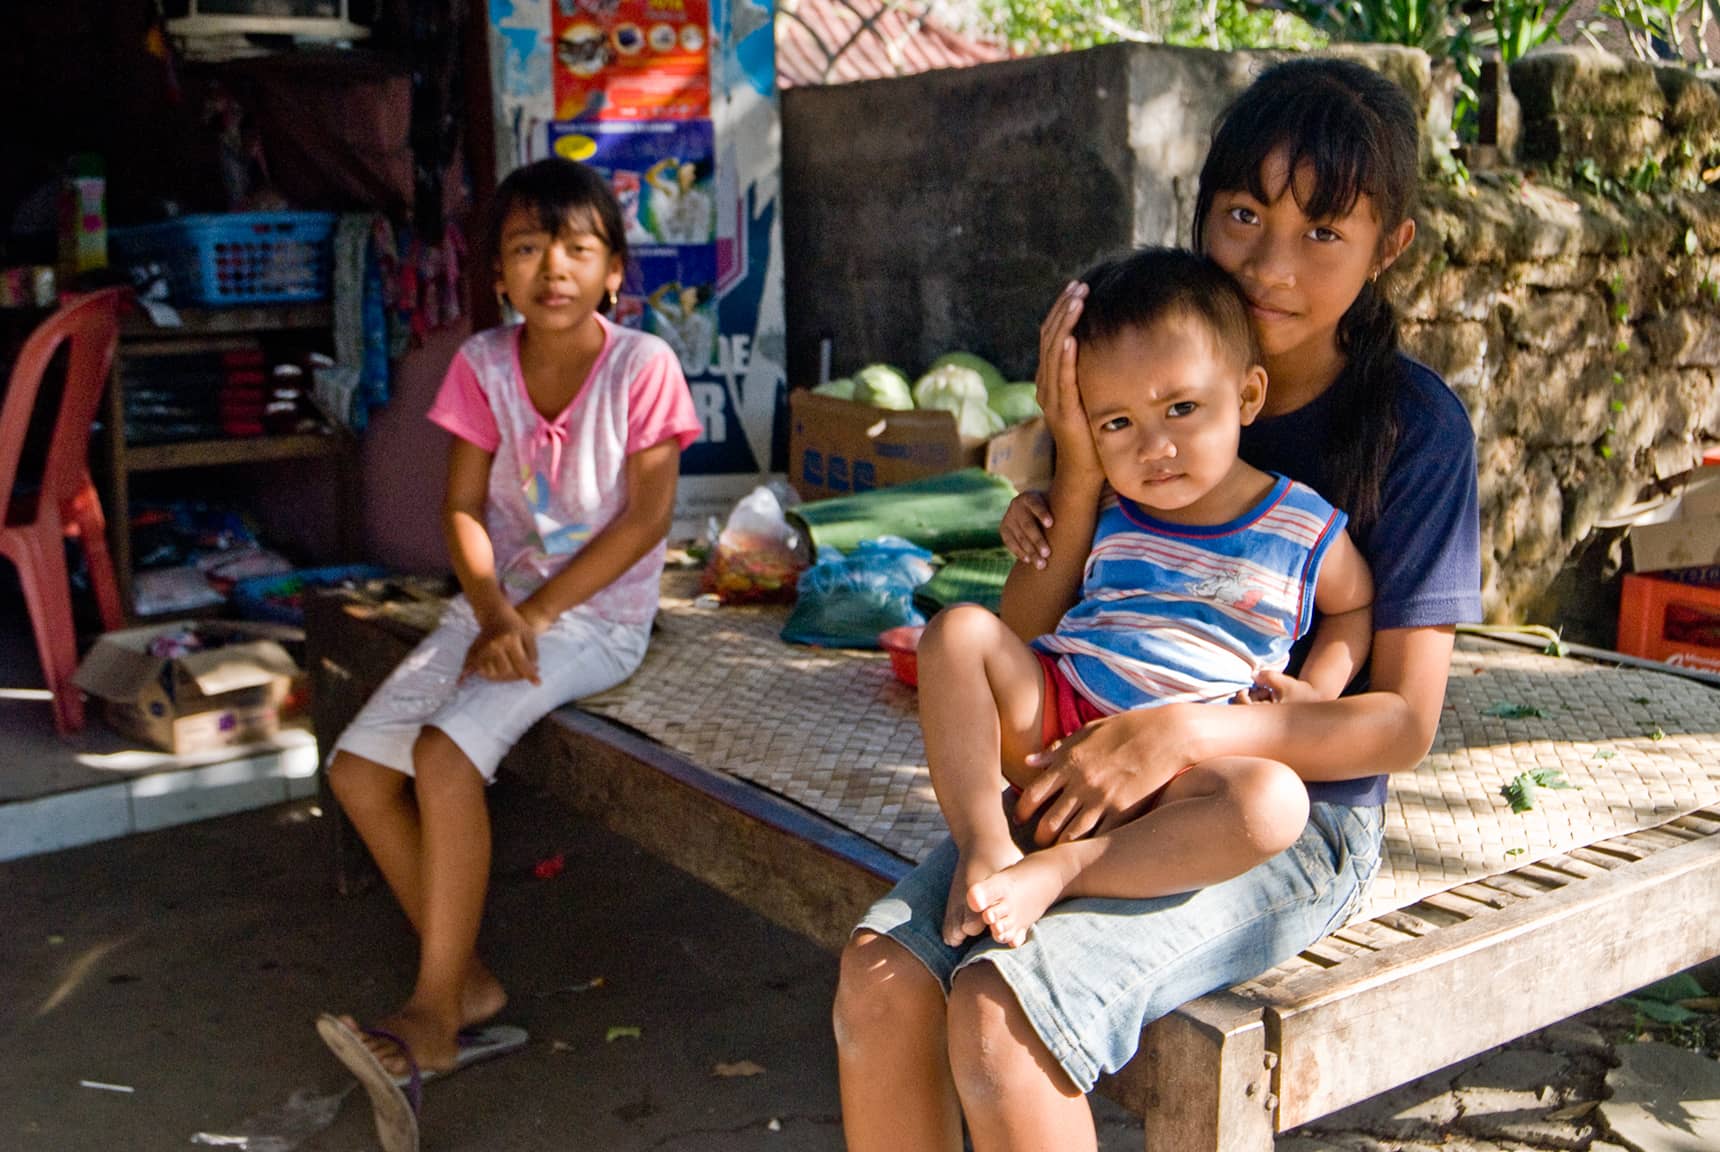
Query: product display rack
point(205, 329)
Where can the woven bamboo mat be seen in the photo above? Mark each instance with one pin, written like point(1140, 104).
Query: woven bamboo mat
point(835, 732)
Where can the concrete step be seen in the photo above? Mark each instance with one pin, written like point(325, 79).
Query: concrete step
point(63, 796)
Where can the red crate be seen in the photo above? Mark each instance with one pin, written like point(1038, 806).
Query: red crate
point(1664, 619)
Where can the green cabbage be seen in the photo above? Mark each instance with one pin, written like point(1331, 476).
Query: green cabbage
point(987, 372)
point(842, 388)
point(1016, 403)
point(882, 386)
point(959, 389)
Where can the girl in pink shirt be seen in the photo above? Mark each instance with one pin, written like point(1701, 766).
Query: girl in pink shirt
point(568, 431)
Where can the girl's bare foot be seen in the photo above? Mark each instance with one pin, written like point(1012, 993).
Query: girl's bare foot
point(428, 1036)
point(483, 997)
point(1012, 901)
point(975, 865)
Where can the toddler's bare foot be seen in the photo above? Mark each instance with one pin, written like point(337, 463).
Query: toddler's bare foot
point(1013, 900)
point(429, 1037)
point(483, 997)
point(961, 921)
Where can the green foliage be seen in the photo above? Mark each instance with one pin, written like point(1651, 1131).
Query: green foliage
point(1646, 176)
point(1522, 25)
point(1524, 787)
point(1033, 27)
point(1515, 712)
point(1649, 25)
point(1036, 26)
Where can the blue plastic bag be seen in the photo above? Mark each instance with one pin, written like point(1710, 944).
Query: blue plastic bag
point(846, 601)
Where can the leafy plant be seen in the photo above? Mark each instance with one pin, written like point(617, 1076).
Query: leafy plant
point(1515, 712)
point(1524, 787)
point(1654, 29)
point(1033, 27)
point(1520, 26)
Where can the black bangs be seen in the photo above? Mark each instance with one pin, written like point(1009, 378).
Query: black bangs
point(1341, 123)
point(559, 194)
point(580, 219)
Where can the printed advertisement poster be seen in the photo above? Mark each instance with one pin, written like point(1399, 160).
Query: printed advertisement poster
point(672, 293)
point(631, 59)
point(737, 378)
point(662, 173)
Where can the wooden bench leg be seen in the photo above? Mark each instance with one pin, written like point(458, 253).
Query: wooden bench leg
point(1209, 1082)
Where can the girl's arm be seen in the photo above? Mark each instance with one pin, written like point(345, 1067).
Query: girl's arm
point(1096, 776)
point(505, 648)
point(1035, 596)
point(640, 526)
point(1344, 594)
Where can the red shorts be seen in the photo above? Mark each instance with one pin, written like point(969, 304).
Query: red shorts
point(1065, 710)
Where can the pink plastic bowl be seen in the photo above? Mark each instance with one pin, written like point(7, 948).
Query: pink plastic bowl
point(901, 643)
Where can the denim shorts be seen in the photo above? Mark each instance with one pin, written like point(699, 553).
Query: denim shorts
point(1093, 973)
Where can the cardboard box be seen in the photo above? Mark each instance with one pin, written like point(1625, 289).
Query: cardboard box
point(1661, 618)
point(837, 447)
point(232, 694)
point(1688, 534)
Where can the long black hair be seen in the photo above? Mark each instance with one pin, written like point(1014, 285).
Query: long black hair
point(559, 194)
point(1355, 133)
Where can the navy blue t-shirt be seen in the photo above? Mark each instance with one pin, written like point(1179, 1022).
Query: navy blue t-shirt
point(1425, 548)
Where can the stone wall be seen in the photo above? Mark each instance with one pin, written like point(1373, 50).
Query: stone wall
point(1579, 320)
point(1577, 317)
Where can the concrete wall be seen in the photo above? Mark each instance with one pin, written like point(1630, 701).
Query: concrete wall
point(944, 210)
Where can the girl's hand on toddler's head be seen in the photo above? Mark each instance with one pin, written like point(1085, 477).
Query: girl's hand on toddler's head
point(1055, 383)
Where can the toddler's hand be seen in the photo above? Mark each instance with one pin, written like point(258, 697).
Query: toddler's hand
point(1278, 688)
point(1024, 528)
point(1056, 389)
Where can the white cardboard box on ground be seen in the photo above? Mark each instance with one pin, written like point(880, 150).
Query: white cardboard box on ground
point(1688, 534)
point(225, 695)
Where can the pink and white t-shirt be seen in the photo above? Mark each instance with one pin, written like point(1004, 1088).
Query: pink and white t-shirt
point(554, 484)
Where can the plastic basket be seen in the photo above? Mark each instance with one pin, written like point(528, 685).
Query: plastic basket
point(237, 257)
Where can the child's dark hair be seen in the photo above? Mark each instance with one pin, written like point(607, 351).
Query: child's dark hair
point(1354, 132)
point(559, 194)
point(1150, 285)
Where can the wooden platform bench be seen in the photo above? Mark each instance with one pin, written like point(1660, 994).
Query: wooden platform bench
point(1375, 1005)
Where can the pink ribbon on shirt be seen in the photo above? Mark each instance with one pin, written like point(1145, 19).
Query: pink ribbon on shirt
point(555, 436)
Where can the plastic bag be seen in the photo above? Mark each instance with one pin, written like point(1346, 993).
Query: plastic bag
point(756, 558)
point(846, 601)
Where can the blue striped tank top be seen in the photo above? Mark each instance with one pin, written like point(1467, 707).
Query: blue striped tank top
point(1173, 612)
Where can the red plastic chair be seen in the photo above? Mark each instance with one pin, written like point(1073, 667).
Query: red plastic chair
point(37, 523)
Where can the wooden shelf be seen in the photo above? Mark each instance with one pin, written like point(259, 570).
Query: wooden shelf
point(244, 319)
point(241, 450)
point(213, 330)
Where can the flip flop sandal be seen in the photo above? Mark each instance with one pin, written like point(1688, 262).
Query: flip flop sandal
point(476, 1045)
point(393, 1106)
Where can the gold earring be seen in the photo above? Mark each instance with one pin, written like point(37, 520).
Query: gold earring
point(614, 299)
